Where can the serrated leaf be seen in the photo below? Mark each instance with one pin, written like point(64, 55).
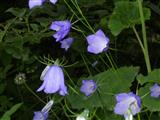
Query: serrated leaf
point(8, 113)
point(154, 76)
point(125, 15)
point(109, 83)
point(152, 104)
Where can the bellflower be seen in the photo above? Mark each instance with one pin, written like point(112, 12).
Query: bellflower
point(66, 43)
point(88, 87)
point(155, 91)
point(127, 105)
point(43, 114)
point(98, 42)
point(34, 3)
point(62, 28)
point(53, 80)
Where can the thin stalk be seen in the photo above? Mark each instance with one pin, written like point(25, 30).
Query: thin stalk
point(34, 93)
point(86, 66)
point(110, 61)
point(139, 39)
point(76, 14)
point(81, 13)
point(146, 55)
point(104, 61)
point(139, 118)
point(114, 63)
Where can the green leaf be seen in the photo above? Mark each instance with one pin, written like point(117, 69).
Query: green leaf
point(8, 113)
point(152, 77)
point(152, 104)
point(125, 15)
point(18, 12)
point(109, 83)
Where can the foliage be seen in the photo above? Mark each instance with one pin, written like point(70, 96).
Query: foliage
point(27, 45)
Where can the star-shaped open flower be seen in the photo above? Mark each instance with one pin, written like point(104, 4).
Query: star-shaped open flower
point(155, 90)
point(128, 104)
point(98, 42)
point(88, 87)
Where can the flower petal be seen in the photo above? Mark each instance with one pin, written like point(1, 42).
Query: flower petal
point(53, 1)
point(66, 43)
point(34, 3)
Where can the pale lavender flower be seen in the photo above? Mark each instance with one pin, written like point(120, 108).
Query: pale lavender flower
point(62, 28)
point(155, 90)
point(43, 114)
point(34, 3)
point(53, 1)
point(38, 115)
point(66, 43)
point(128, 104)
point(53, 81)
point(98, 42)
point(88, 87)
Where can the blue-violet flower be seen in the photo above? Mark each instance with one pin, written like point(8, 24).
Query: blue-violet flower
point(98, 42)
point(34, 3)
point(43, 114)
point(127, 104)
point(53, 80)
point(155, 90)
point(66, 43)
point(62, 28)
point(88, 87)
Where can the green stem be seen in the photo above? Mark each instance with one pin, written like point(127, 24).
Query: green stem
point(110, 61)
point(86, 66)
point(34, 93)
point(76, 14)
point(146, 55)
point(139, 118)
point(81, 13)
point(104, 61)
point(139, 39)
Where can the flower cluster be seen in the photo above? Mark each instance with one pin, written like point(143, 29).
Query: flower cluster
point(62, 29)
point(53, 76)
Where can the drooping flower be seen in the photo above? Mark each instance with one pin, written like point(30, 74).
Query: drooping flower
point(66, 43)
point(43, 114)
point(53, 81)
point(127, 105)
point(34, 3)
point(88, 87)
point(98, 42)
point(62, 28)
point(155, 90)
